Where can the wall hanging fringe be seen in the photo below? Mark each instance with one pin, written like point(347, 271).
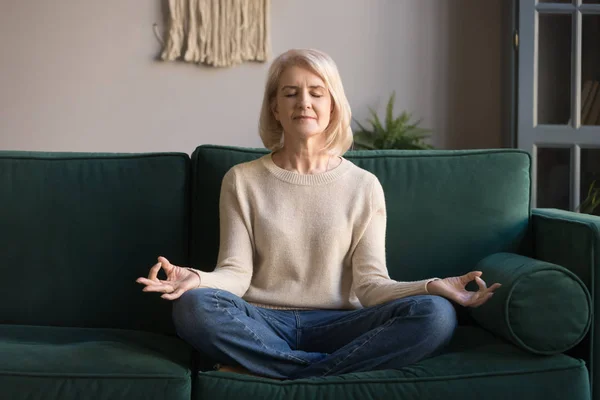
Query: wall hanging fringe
point(220, 33)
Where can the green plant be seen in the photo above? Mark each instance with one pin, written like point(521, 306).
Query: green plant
point(592, 200)
point(398, 132)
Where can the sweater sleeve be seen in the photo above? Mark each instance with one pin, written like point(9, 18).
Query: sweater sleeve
point(235, 262)
point(371, 281)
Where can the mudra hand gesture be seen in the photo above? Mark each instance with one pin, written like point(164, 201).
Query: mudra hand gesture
point(179, 280)
point(453, 288)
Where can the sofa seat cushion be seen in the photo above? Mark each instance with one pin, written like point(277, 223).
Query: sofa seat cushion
point(82, 363)
point(476, 365)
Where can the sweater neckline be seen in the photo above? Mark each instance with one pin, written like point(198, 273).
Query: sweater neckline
point(305, 179)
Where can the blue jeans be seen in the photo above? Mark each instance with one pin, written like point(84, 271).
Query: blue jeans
point(299, 344)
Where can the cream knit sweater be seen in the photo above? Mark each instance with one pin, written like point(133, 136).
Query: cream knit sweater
point(292, 241)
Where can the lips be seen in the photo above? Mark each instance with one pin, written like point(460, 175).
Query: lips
point(304, 117)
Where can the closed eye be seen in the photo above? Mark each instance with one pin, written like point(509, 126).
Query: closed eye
point(317, 95)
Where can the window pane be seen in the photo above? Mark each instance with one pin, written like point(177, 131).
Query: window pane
point(554, 69)
point(590, 70)
point(591, 1)
point(555, 1)
point(590, 172)
point(553, 178)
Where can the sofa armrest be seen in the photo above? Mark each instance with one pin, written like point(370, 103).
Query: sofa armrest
point(541, 307)
point(573, 240)
point(569, 239)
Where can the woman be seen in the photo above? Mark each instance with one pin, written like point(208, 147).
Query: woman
point(301, 287)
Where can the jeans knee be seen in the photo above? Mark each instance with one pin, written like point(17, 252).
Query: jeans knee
point(191, 312)
point(440, 318)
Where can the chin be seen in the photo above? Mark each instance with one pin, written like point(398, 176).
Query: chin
point(306, 132)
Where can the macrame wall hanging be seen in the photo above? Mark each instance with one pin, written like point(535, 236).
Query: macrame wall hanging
point(220, 33)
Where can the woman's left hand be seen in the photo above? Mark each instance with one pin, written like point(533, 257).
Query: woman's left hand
point(453, 288)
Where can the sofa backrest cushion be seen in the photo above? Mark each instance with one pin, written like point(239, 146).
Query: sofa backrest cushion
point(77, 229)
point(446, 209)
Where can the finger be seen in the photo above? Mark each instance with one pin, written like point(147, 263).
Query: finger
point(163, 259)
point(145, 281)
point(494, 287)
point(470, 276)
point(482, 300)
point(154, 271)
point(166, 265)
point(159, 288)
point(175, 295)
point(480, 283)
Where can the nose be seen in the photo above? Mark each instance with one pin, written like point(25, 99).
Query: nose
point(303, 101)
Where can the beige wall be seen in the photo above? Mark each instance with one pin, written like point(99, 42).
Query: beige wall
point(81, 75)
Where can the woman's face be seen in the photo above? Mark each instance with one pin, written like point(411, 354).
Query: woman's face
point(302, 103)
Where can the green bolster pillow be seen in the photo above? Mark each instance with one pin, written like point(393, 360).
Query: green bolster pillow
point(541, 307)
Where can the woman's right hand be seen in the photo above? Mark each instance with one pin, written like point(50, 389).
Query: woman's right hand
point(179, 280)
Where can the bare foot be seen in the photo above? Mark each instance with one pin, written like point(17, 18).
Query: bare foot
point(241, 370)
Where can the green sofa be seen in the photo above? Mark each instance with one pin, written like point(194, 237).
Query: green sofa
point(79, 228)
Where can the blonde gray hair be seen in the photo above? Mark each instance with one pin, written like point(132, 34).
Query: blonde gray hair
point(338, 132)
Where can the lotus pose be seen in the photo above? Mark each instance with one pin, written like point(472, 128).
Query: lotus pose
point(301, 287)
